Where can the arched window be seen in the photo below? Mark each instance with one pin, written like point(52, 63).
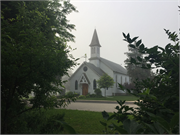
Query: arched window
point(121, 79)
point(94, 50)
point(76, 85)
point(94, 84)
point(116, 82)
point(125, 80)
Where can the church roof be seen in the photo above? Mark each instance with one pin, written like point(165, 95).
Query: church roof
point(113, 66)
point(95, 40)
point(95, 69)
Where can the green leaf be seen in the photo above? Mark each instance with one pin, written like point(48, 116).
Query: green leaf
point(128, 36)
point(129, 40)
point(121, 86)
point(160, 120)
point(117, 107)
point(112, 116)
point(131, 126)
point(134, 39)
point(67, 127)
point(153, 97)
point(105, 115)
point(120, 130)
point(147, 91)
point(131, 45)
point(138, 43)
point(174, 120)
point(152, 128)
point(103, 123)
point(124, 35)
point(141, 47)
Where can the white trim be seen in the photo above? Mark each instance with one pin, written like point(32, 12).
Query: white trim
point(82, 79)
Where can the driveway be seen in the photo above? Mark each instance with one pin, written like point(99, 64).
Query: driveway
point(96, 106)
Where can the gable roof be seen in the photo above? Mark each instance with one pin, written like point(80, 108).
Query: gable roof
point(86, 78)
point(113, 66)
point(95, 40)
point(97, 70)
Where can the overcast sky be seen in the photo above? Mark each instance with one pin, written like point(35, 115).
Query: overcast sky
point(143, 18)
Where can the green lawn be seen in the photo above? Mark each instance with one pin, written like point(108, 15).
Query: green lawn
point(84, 122)
point(113, 98)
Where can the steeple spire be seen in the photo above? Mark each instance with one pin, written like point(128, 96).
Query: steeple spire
point(95, 40)
point(95, 50)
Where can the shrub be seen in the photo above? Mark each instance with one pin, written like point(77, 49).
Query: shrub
point(98, 92)
point(82, 96)
point(88, 95)
point(93, 95)
point(76, 94)
point(69, 93)
point(36, 122)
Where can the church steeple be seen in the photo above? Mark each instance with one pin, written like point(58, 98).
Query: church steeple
point(95, 40)
point(95, 46)
point(95, 49)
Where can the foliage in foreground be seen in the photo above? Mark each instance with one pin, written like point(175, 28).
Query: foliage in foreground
point(34, 55)
point(135, 71)
point(158, 106)
point(40, 122)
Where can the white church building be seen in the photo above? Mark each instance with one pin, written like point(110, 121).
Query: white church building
point(83, 81)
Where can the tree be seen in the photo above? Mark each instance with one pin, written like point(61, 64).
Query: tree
point(105, 82)
point(135, 71)
point(158, 104)
point(34, 52)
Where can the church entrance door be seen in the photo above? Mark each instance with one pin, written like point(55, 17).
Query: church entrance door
point(84, 89)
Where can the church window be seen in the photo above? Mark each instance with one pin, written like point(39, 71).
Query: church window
point(121, 79)
point(125, 80)
point(116, 82)
point(94, 50)
point(85, 69)
point(76, 85)
point(98, 50)
point(94, 84)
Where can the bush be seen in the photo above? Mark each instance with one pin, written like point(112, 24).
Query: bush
point(69, 93)
point(93, 95)
point(82, 96)
point(76, 94)
point(98, 92)
point(36, 122)
point(88, 95)
point(158, 104)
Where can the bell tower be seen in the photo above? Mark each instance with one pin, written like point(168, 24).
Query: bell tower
point(95, 49)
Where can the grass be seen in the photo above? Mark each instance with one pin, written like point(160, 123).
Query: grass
point(113, 98)
point(84, 122)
